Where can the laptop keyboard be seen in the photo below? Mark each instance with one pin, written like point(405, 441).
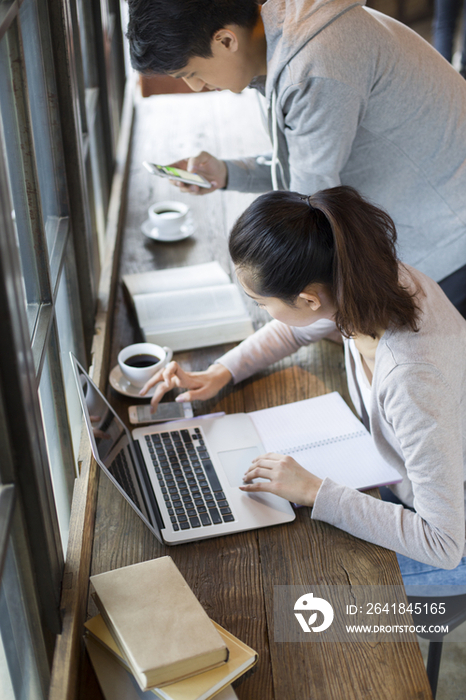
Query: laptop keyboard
point(188, 480)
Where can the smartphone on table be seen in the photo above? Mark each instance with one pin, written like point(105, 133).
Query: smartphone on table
point(167, 410)
point(177, 174)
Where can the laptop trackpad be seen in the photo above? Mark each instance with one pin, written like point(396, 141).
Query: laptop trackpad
point(236, 462)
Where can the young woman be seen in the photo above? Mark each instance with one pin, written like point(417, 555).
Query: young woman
point(325, 264)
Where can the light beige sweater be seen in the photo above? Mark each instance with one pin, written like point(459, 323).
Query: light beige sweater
point(417, 420)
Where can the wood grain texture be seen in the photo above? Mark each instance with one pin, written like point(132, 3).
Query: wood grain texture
point(224, 573)
point(314, 553)
point(234, 576)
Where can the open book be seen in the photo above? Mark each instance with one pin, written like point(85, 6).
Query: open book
point(324, 436)
point(189, 307)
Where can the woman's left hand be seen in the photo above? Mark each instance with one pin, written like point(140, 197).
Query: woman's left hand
point(286, 478)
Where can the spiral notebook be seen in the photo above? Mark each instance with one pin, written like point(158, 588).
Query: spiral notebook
point(325, 437)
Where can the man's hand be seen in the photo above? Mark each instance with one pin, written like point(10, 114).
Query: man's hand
point(212, 168)
point(199, 385)
point(286, 478)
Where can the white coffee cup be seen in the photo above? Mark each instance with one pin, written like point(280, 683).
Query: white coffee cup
point(140, 369)
point(168, 217)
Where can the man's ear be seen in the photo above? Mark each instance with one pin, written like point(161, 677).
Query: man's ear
point(227, 38)
point(312, 299)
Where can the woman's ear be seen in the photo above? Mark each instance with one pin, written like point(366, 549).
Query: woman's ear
point(312, 299)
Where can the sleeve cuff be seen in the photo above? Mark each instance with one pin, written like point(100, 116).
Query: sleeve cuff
point(226, 365)
point(326, 504)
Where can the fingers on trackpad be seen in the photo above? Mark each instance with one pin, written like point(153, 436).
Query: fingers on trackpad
point(236, 462)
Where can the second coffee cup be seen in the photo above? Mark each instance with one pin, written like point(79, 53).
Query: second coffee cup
point(140, 361)
point(168, 217)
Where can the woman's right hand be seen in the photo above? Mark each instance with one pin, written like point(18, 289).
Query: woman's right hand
point(199, 385)
point(212, 168)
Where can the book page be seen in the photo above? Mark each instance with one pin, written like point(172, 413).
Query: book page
point(205, 275)
point(201, 335)
point(325, 437)
point(166, 310)
point(227, 694)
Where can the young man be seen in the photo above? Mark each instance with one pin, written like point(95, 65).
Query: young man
point(353, 97)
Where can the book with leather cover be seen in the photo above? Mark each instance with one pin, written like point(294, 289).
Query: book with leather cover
point(157, 622)
point(202, 686)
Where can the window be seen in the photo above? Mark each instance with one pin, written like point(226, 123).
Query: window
point(62, 80)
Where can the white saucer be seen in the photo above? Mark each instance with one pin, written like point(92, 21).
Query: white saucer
point(155, 234)
point(119, 382)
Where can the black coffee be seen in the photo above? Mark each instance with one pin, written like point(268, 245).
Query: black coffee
point(168, 211)
point(142, 360)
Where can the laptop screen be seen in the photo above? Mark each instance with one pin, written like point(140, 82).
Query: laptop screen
point(107, 430)
point(113, 448)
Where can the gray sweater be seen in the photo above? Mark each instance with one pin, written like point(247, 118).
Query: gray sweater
point(362, 100)
point(417, 420)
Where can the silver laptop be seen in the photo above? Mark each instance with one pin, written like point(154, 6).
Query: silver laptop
point(181, 478)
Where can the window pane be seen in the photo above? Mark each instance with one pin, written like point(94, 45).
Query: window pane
point(98, 127)
point(55, 425)
point(19, 678)
point(20, 213)
point(42, 96)
point(5, 18)
point(6, 688)
point(98, 170)
point(70, 335)
point(84, 15)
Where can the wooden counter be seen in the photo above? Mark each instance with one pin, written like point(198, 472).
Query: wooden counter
point(234, 576)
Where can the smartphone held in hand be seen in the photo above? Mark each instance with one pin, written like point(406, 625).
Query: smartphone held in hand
point(177, 174)
point(168, 410)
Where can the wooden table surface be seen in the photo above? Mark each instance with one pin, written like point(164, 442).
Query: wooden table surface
point(234, 576)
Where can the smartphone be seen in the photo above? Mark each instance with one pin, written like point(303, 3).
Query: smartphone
point(177, 174)
point(167, 410)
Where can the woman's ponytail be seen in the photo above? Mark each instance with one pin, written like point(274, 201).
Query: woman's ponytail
point(366, 288)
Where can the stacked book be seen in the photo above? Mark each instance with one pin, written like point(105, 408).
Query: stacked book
point(153, 638)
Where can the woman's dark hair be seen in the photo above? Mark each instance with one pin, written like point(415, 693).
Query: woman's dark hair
point(284, 242)
point(165, 34)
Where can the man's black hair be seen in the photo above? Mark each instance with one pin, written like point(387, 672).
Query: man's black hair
point(165, 34)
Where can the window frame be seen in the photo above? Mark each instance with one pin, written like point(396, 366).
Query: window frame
point(57, 591)
point(68, 651)
point(28, 469)
point(7, 507)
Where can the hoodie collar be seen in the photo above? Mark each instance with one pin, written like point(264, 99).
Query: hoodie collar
point(290, 24)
